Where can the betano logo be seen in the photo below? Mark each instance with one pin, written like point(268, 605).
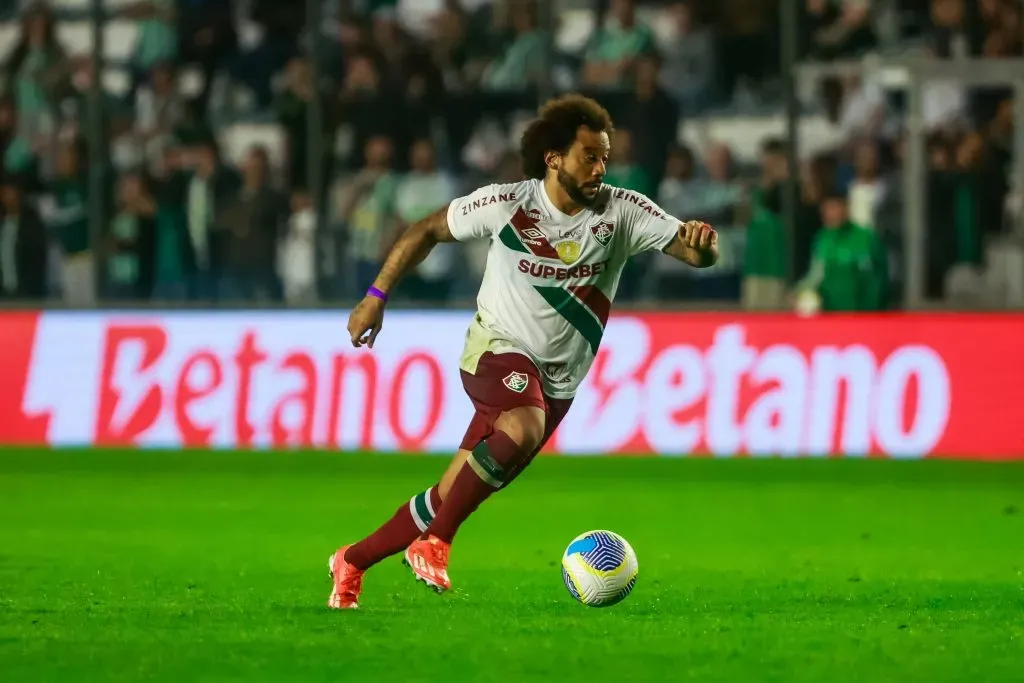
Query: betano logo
point(903, 386)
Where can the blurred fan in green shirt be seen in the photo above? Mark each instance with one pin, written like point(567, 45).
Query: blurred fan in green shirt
point(766, 255)
point(615, 45)
point(70, 224)
point(848, 266)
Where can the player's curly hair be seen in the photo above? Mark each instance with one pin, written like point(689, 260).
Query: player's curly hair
point(555, 129)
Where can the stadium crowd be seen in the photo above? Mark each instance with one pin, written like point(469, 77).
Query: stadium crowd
point(422, 100)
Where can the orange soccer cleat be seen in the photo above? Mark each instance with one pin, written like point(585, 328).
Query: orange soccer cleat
point(348, 582)
point(428, 559)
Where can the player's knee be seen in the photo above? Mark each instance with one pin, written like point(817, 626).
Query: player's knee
point(525, 426)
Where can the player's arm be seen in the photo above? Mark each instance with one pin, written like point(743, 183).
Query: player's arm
point(409, 250)
point(695, 244)
point(412, 247)
point(651, 228)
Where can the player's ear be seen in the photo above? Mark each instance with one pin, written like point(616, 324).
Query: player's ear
point(552, 160)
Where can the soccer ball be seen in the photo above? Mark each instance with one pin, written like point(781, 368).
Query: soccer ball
point(599, 568)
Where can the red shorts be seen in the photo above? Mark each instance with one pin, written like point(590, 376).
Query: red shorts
point(503, 382)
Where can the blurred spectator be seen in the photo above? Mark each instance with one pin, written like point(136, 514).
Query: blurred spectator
point(952, 36)
point(207, 38)
point(941, 238)
point(689, 60)
point(868, 188)
point(525, 61)
point(130, 242)
point(392, 48)
point(297, 255)
point(1007, 29)
point(157, 39)
point(838, 28)
point(461, 74)
point(623, 169)
point(890, 219)
point(366, 207)
point(70, 224)
point(116, 117)
point(23, 245)
point(464, 44)
point(37, 73)
point(174, 256)
point(861, 106)
point(970, 196)
point(678, 191)
point(420, 193)
point(816, 181)
point(159, 110)
point(252, 222)
point(615, 46)
point(282, 24)
point(193, 128)
point(292, 109)
point(652, 118)
point(765, 264)
point(19, 157)
point(365, 107)
point(848, 269)
point(746, 44)
point(717, 194)
point(209, 187)
point(955, 215)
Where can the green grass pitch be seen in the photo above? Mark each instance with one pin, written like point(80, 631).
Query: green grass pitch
point(172, 567)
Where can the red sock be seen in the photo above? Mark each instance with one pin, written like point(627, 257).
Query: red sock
point(485, 471)
point(395, 535)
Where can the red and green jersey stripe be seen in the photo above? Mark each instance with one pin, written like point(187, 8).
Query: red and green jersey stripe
point(522, 234)
point(508, 237)
point(584, 307)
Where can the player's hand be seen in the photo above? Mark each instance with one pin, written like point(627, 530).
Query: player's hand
point(698, 235)
point(365, 321)
point(701, 239)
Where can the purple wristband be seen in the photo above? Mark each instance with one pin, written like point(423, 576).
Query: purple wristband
point(374, 292)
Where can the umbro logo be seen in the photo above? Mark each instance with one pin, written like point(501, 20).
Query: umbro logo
point(516, 381)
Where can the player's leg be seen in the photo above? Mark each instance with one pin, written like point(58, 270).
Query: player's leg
point(506, 390)
point(516, 437)
point(349, 563)
point(428, 556)
point(410, 520)
point(557, 408)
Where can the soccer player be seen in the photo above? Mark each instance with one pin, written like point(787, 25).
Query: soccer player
point(559, 241)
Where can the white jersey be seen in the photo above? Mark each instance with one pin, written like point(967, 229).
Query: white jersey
point(550, 278)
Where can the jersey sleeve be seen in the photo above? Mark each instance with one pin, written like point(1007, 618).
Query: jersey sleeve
point(648, 226)
point(481, 213)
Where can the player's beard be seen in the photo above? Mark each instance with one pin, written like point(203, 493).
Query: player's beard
point(575, 190)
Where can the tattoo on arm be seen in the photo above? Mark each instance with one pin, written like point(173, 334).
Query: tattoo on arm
point(412, 247)
point(437, 225)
